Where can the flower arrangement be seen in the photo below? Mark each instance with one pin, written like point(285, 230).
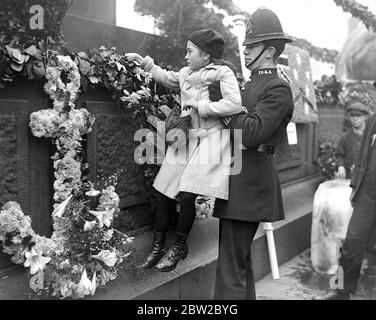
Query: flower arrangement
point(21, 51)
point(65, 124)
point(84, 251)
point(62, 77)
point(125, 80)
point(84, 244)
point(204, 207)
point(327, 159)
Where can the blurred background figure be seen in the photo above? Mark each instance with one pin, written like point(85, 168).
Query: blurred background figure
point(348, 145)
point(362, 223)
point(356, 59)
point(334, 88)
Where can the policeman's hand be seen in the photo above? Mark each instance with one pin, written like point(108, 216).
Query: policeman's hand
point(341, 173)
point(134, 57)
point(352, 170)
point(352, 196)
point(191, 103)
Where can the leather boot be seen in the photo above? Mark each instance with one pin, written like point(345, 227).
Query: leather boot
point(333, 295)
point(177, 252)
point(157, 252)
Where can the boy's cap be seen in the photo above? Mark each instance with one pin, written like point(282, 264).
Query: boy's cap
point(209, 40)
point(357, 109)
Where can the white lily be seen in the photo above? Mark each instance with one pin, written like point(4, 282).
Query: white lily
point(93, 283)
point(85, 286)
point(60, 209)
point(109, 258)
point(66, 289)
point(104, 217)
point(35, 261)
point(108, 235)
point(89, 225)
point(92, 193)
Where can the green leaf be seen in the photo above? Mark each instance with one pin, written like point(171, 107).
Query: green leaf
point(16, 67)
point(91, 72)
point(83, 55)
point(34, 52)
point(84, 67)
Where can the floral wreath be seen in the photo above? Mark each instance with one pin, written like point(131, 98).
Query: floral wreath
point(84, 251)
point(57, 87)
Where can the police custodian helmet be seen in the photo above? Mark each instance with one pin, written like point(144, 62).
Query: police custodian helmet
point(264, 25)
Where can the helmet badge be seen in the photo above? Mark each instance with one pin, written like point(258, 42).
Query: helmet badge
point(250, 27)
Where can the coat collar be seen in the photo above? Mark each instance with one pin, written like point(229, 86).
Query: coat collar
point(212, 66)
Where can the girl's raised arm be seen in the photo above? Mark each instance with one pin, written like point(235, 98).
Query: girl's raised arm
point(169, 79)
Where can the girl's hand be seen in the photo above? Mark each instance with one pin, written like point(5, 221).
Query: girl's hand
point(191, 103)
point(134, 57)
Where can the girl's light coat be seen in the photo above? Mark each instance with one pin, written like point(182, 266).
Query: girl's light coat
point(205, 168)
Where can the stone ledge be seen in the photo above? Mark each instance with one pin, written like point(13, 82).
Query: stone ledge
point(194, 277)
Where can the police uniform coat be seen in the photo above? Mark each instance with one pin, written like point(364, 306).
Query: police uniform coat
point(205, 168)
point(255, 193)
point(368, 142)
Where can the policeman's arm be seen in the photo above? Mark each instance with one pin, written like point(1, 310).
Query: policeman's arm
point(274, 105)
point(169, 79)
point(355, 173)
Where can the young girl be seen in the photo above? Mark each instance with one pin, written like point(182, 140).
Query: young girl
point(205, 168)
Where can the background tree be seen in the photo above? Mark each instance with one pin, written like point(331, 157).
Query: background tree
point(177, 19)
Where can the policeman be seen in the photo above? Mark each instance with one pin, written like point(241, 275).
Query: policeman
point(254, 193)
point(349, 142)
